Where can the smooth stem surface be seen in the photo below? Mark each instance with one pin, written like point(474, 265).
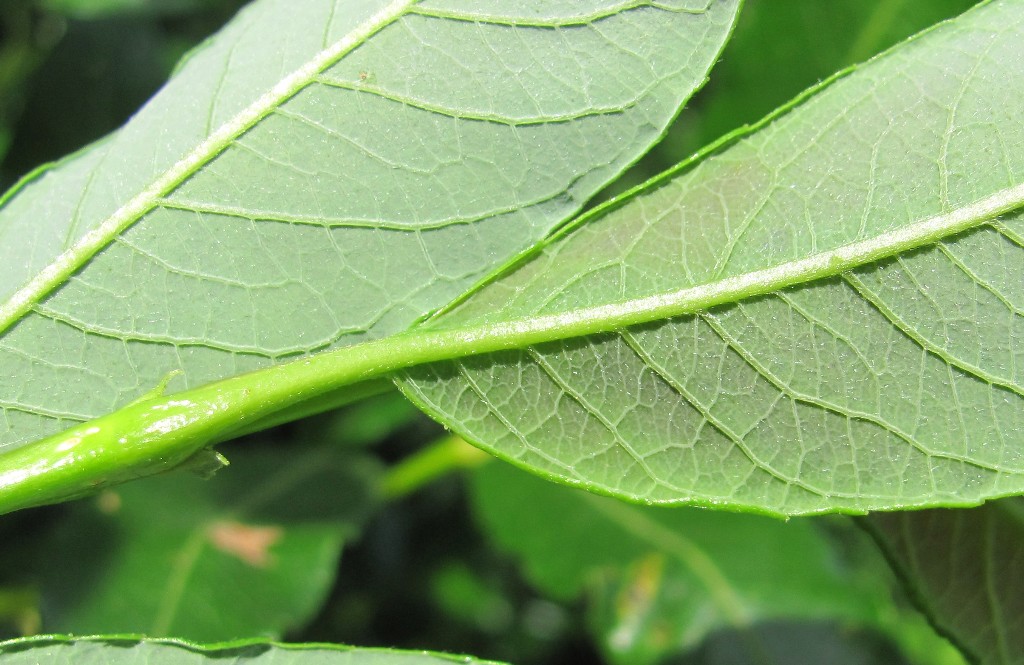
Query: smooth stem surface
point(161, 432)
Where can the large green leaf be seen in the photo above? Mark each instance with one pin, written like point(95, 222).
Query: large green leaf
point(253, 553)
point(116, 650)
point(826, 316)
point(966, 570)
point(322, 173)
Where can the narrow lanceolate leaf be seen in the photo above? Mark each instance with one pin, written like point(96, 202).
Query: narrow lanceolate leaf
point(826, 316)
point(320, 173)
point(965, 568)
point(117, 650)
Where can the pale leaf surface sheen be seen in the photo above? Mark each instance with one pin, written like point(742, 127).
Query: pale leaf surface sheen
point(114, 650)
point(319, 174)
point(897, 383)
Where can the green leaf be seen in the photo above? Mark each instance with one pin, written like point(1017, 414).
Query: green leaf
point(825, 316)
point(965, 569)
point(659, 581)
point(252, 553)
point(782, 326)
point(116, 650)
point(319, 174)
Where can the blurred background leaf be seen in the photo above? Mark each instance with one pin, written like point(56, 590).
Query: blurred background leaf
point(90, 9)
point(73, 70)
point(965, 568)
point(779, 49)
point(659, 581)
point(252, 553)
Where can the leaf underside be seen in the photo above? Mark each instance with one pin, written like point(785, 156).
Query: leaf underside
point(319, 174)
point(897, 384)
point(114, 650)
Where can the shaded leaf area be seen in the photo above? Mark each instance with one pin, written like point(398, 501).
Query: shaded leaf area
point(893, 385)
point(114, 650)
point(659, 582)
point(318, 174)
point(91, 9)
point(422, 575)
point(120, 51)
point(786, 643)
point(761, 70)
point(24, 44)
point(254, 552)
point(966, 570)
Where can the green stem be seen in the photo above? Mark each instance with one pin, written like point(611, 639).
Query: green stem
point(328, 401)
point(161, 432)
point(443, 456)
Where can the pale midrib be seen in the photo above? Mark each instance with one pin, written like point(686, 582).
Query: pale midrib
point(831, 263)
point(182, 567)
point(283, 385)
point(71, 260)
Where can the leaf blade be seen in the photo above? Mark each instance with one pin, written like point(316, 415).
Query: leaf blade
point(128, 649)
point(165, 259)
point(786, 401)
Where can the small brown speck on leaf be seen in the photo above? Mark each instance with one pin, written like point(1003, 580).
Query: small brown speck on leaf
point(251, 544)
point(109, 502)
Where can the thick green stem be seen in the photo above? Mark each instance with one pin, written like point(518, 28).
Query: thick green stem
point(161, 432)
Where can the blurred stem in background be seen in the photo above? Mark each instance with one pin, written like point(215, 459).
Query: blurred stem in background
point(445, 455)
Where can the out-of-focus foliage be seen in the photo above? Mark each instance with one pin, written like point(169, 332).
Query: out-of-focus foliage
point(73, 70)
point(166, 557)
